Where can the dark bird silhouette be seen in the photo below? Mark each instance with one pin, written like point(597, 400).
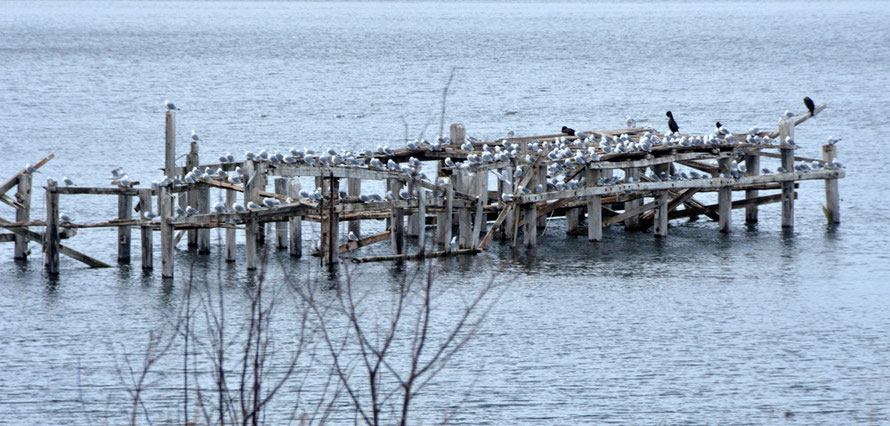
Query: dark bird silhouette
point(671, 123)
point(810, 105)
point(569, 131)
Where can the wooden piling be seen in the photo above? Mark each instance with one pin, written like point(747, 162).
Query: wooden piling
point(397, 221)
point(632, 223)
point(724, 197)
point(51, 235)
point(541, 179)
point(414, 220)
point(786, 130)
point(251, 193)
point(354, 189)
point(594, 207)
point(832, 207)
point(170, 144)
point(165, 210)
point(23, 213)
point(457, 133)
point(145, 232)
point(661, 215)
point(752, 167)
point(421, 213)
point(260, 185)
point(332, 254)
point(124, 207)
point(443, 220)
point(295, 225)
point(231, 199)
point(204, 208)
point(530, 213)
point(192, 162)
point(464, 215)
point(281, 226)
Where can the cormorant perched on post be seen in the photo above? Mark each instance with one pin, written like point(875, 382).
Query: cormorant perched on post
point(810, 105)
point(671, 123)
point(569, 131)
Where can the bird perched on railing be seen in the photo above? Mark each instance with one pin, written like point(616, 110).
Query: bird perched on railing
point(568, 131)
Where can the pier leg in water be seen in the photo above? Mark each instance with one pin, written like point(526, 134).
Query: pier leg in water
point(724, 197)
point(752, 165)
point(661, 215)
point(354, 190)
point(23, 213)
point(192, 162)
point(530, 212)
point(786, 130)
point(296, 223)
point(204, 208)
point(51, 237)
point(594, 208)
point(397, 219)
point(281, 226)
point(124, 207)
point(231, 199)
point(146, 233)
point(832, 206)
point(443, 221)
point(632, 223)
point(165, 210)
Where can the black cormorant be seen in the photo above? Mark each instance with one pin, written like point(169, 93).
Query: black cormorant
point(671, 123)
point(569, 131)
point(810, 105)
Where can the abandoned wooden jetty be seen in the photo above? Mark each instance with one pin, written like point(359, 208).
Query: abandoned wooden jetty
point(600, 175)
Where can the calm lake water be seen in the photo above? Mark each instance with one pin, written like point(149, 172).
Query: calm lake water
point(698, 328)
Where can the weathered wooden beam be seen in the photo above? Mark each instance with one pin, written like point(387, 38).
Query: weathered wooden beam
point(67, 251)
point(752, 167)
point(251, 194)
point(165, 211)
point(295, 224)
point(281, 226)
point(354, 189)
point(231, 199)
point(170, 143)
point(786, 130)
point(12, 181)
point(832, 207)
point(798, 120)
point(631, 222)
point(51, 239)
point(632, 212)
point(661, 215)
point(594, 208)
point(724, 198)
point(145, 231)
point(397, 221)
point(423, 255)
point(364, 242)
point(8, 238)
point(23, 213)
point(444, 218)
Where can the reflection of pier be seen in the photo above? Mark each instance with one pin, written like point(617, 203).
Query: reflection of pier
point(537, 177)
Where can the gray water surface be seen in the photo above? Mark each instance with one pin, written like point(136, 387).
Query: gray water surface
point(698, 328)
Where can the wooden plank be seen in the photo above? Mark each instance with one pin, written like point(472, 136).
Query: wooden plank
point(762, 153)
point(698, 165)
point(634, 211)
point(724, 198)
point(364, 242)
point(295, 225)
point(12, 181)
point(260, 186)
point(683, 184)
point(332, 256)
point(832, 207)
point(9, 238)
point(424, 255)
point(23, 213)
point(67, 251)
point(145, 231)
point(786, 130)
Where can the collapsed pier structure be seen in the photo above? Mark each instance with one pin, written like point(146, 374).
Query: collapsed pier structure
point(482, 191)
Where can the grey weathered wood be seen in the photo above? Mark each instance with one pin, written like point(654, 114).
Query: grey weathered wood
point(193, 198)
point(295, 224)
point(541, 179)
point(444, 219)
point(724, 198)
point(8, 238)
point(480, 216)
point(464, 216)
point(170, 144)
point(632, 223)
point(457, 133)
point(231, 199)
point(507, 188)
point(661, 215)
point(39, 239)
point(832, 195)
point(414, 222)
point(281, 226)
point(260, 186)
point(251, 193)
point(786, 130)
point(752, 165)
point(573, 220)
point(51, 239)
point(124, 236)
point(145, 231)
point(354, 189)
point(421, 219)
point(23, 213)
point(594, 208)
point(424, 255)
point(165, 211)
point(397, 221)
point(531, 230)
point(204, 208)
point(798, 120)
point(14, 180)
point(332, 254)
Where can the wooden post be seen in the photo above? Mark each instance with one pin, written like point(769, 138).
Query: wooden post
point(124, 207)
point(23, 213)
point(632, 223)
point(541, 180)
point(165, 210)
point(231, 199)
point(204, 207)
point(260, 185)
point(191, 162)
point(832, 206)
point(506, 188)
point(145, 230)
point(251, 193)
point(397, 220)
point(295, 226)
point(443, 220)
point(51, 237)
point(530, 212)
point(594, 208)
point(786, 130)
point(457, 133)
point(414, 224)
point(170, 144)
point(479, 218)
point(332, 254)
point(421, 219)
point(354, 189)
point(661, 215)
point(483, 198)
point(752, 165)
point(281, 226)
point(572, 220)
point(464, 215)
point(724, 197)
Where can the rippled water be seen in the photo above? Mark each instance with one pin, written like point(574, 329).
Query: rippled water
point(699, 328)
